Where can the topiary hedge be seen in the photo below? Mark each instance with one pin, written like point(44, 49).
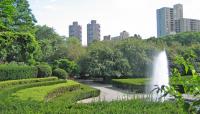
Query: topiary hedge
point(60, 73)
point(5, 84)
point(44, 70)
point(14, 71)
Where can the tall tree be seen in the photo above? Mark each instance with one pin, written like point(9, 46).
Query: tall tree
point(7, 11)
point(24, 20)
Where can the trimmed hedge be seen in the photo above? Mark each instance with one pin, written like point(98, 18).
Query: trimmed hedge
point(9, 83)
point(44, 71)
point(61, 90)
point(134, 85)
point(138, 84)
point(14, 71)
point(60, 73)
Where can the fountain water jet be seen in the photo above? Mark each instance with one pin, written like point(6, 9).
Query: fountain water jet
point(160, 75)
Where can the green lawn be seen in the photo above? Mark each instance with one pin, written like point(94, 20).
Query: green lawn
point(39, 93)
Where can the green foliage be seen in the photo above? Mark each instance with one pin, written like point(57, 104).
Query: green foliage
point(45, 92)
point(69, 66)
point(61, 102)
point(5, 84)
point(19, 47)
point(190, 86)
point(103, 61)
point(60, 73)
point(17, 16)
point(44, 70)
point(14, 71)
point(74, 49)
point(7, 12)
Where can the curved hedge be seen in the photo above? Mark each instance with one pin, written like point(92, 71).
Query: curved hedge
point(14, 71)
point(61, 90)
point(9, 83)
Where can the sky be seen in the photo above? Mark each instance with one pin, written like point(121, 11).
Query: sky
point(114, 16)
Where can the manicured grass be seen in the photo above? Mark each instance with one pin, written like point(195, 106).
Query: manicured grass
point(39, 93)
point(58, 105)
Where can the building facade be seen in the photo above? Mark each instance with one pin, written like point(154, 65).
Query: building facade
point(187, 25)
point(75, 30)
point(171, 21)
point(93, 31)
point(108, 37)
point(123, 35)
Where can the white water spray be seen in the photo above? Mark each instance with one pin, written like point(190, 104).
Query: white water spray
point(160, 74)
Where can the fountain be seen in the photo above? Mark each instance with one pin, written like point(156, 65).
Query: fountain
point(160, 75)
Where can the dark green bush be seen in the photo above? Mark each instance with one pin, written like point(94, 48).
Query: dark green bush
point(69, 66)
point(60, 73)
point(44, 70)
point(14, 71)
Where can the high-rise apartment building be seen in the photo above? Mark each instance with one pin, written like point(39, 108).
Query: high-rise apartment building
point(124, 34)
point(171, 21)
point(187, 25)
point(75, 30)
point(93, 31)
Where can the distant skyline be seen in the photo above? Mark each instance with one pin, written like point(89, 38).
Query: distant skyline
point(114, 16)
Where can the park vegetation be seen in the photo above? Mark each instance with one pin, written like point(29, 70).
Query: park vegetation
point(31, 54)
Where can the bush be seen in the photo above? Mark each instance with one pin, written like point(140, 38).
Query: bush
point(44, 70)
point(69, 66)
point(60, 73)
point(9, 83)
point(14, 72)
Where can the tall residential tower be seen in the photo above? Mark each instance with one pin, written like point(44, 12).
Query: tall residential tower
point(171, 21)
point(93, 32)
point(75, 30)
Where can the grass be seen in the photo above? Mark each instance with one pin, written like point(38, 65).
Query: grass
point(39, 93)
point(57, 105)
point(134, 106)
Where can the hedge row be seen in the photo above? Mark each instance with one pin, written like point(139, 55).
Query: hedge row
point(9, 83)
point(13, 72)
point(61, 90)
point(134, 85)
point(88, 93)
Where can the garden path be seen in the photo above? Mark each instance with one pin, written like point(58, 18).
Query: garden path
point(108, 93)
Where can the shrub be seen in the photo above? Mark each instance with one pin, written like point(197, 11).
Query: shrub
point(14, 71)
point(69, 66)
point(44, 70)
point(60, 73)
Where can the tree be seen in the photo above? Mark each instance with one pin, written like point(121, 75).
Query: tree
point(24, 20)
point(7, 10)
point(74, 49)
point(52, 45)
point(19, 47)
point(17, 16)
